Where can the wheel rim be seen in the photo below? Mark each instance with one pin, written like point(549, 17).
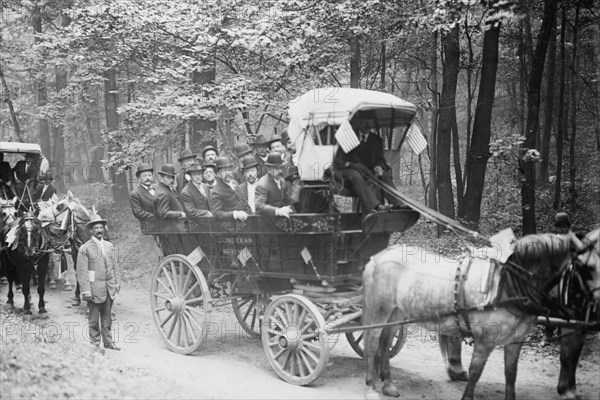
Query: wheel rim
point(248, 310)
point(293, 339)
point(181, 304)
point(356, 341)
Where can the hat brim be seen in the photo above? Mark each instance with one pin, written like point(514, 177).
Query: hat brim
point(187, 157)
point(274, 164)
point(138, 173)
point(92, 223)
point(255, 165)
point(167, 174)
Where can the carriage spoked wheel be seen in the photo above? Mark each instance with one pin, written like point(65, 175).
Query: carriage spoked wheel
point(355, 339)
point(248, 310)
point(294, 339)
point(181, 304)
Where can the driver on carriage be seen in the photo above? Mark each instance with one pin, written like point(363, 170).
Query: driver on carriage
point(26, 173)
point(6, 179)
point(366, 159)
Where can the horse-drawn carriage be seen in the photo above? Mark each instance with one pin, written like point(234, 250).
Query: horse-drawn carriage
point(295, 282)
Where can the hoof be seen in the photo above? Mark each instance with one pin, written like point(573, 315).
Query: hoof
point(43, 310)
point(389, 389)
point(76, 303)
point(67, 287)
point(569, 395)
point(460, 376)
point(52, 285)
point(27, 312)
point(372, 394)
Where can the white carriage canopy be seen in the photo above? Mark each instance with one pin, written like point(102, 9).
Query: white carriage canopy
point(316, 117)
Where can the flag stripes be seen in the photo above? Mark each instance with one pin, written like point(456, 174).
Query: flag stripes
point(346, 137)
point(415, 139)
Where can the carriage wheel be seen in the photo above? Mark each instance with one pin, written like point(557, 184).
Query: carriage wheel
point(248, 310)
point(356, 342)
point(294, 340)
point(181, 304)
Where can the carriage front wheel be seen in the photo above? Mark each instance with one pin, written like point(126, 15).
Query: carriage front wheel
point(248, 309)
point(294, 339)
point(181, 304)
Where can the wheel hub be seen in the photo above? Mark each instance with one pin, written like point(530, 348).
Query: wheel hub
point(174, 305)
point(291, 338)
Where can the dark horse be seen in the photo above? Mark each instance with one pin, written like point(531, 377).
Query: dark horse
point(497, 305)
point(20, 258)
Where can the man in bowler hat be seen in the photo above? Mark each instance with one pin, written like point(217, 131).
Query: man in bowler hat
point(142, 197)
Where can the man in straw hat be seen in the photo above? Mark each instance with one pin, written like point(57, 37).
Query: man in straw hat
point(272, 197)
point(225, 202)
point(196, 194)
point(247, 189)
point(186, 159)
point(98, 277)
point(142, 197)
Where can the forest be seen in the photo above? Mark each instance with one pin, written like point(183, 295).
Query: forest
point(508, 91)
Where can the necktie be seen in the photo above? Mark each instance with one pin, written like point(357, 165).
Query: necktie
point(151, 190)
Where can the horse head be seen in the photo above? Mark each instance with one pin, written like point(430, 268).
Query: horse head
point(587, 261)
point(30, 229)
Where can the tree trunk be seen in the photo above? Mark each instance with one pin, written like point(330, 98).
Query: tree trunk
point(42, 90)
point(542, 170)
point(572, 164)
point(432, 195)
point(478, 154)
point(355, 62)
point(111, 103)
point(58, 155)
point(383, 65)
point(202, 129)
point(560, 123)
point(6, 99)
point(447, 115)
point(533, 119)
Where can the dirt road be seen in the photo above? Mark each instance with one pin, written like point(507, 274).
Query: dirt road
point(231, 365)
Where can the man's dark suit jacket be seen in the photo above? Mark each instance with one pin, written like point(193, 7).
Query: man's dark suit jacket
point(6, 172)
point(369, 153)
point(224, 201)
point(269, 197)
point(46, 195)
point(194, 202)
point(181, 181)
point(167, 206)
point(262, 168)
point(142, 203)
point(32, 173)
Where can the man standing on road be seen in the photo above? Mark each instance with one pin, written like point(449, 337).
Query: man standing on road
point(98, 277)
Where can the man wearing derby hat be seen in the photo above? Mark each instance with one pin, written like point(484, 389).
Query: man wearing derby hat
point(168, 207)
point(225, 201)
point(98, 277)
point(209, 153)
point(241, 150)
point(142, 197)
point(562, 223)
point(209, 170)
point(45, 191)
point(247, 189)
point(272, 197)
point(186, 159)
point(196, 194)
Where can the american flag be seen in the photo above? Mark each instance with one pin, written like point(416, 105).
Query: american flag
point(244, 256)
point(346, 137)
point(415, 139)
point(196, 256)
point(306, 256)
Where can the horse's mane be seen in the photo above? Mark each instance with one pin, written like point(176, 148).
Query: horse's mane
point(544, 245)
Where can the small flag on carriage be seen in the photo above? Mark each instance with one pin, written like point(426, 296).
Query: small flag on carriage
point(346, 137)
point(415, 139)
point(244, 256)
point(306, 256)
point(195, 256)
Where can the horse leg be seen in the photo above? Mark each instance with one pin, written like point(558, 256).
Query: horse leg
point(371, 343)
point(511, 359)
point(25, 289)
point(385, 342)
point(570, 350)
point(451, 348)
point(481, 351)
point(11, 295)
point(42, 270)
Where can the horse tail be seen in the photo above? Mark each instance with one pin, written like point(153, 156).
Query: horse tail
point(444, 348)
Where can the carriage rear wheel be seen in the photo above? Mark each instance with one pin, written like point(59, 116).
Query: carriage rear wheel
point(248, 310)
point(294, 339)
point(181, 304)
point(356, 341)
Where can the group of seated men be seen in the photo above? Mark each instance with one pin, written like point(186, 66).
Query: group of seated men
point(26, 172)
point(208, 184)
